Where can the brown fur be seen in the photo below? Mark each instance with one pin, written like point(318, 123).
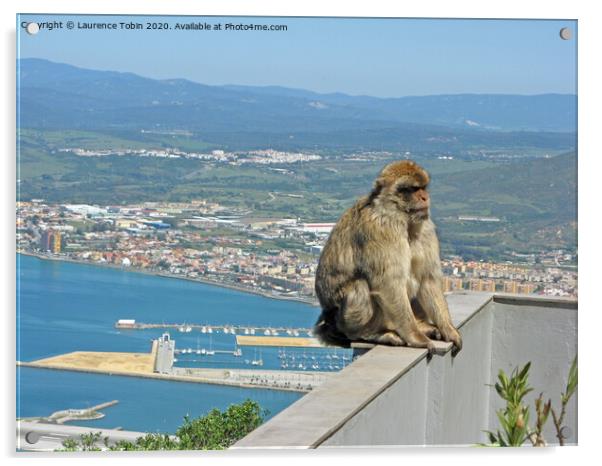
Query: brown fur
point(379, 276)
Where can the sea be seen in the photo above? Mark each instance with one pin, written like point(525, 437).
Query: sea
point(64, 307)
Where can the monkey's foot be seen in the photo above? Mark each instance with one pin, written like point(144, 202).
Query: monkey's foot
point(429, 330)
point(451, 334)
point(388, 338)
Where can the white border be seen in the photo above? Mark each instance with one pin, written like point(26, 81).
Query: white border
point(589, 156)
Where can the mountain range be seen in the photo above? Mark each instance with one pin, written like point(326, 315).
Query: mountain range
point(60, 96)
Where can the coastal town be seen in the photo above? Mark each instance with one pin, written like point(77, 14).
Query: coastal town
point(260, 157)
point(276, 257)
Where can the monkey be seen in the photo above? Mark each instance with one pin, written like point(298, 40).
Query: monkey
point(379, 276)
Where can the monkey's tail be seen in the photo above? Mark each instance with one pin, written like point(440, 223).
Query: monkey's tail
point(327, 332)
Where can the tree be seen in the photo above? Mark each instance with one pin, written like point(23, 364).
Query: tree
point(215, 431)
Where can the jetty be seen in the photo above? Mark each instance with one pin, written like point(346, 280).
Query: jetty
point(184, 327)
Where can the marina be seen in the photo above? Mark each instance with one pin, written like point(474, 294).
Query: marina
point(298, 371)
point(313, 360)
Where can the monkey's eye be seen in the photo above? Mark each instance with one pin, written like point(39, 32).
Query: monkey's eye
point(407, 189)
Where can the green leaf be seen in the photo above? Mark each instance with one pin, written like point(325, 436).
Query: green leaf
point(572, 381)
point(525, 371)
point(503, 378)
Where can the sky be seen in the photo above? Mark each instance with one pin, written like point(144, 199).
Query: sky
point(377, 57)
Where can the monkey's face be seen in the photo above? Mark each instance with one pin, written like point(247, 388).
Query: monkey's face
point(414, 200)
point(403, 184)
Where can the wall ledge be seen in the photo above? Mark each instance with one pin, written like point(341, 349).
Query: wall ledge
point(314, 418)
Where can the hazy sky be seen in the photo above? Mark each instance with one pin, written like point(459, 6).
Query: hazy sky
point(379, 57)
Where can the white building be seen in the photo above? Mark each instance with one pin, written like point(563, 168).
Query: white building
point(317, 227)
point(85, 209)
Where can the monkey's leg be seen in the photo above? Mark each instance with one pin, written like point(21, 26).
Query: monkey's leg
point(432, 301)
point(356, 316)
point(422, 320)
point(358, 319)
point(396, 312)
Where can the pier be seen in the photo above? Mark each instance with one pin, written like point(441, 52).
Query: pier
point(130, 324)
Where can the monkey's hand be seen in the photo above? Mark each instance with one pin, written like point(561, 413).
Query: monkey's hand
point(451, 334)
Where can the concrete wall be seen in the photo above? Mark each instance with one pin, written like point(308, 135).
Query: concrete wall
point(405, 415)
point(457, 394)
point(400, 396)
point(545, 334)
point(441, 401)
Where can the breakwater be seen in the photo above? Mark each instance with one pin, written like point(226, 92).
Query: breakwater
point(272, 380)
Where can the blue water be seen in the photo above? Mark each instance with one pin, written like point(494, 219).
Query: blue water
point(64, 307)
point(145, 405)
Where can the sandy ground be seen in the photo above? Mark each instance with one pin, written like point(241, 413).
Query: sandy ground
point(141, 363)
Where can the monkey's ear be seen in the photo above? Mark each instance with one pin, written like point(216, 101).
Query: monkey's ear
point(378, 187)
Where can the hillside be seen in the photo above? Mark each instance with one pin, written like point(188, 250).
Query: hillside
point(521, 190)
point(535, 200)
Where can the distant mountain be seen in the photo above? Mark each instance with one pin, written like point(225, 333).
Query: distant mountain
point(506, 112)
point(61, 96)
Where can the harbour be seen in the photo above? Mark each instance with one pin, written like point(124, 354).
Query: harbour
point(159, 364)
point(69, 312)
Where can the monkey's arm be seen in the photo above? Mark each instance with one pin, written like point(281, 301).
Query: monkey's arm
point(431, 299)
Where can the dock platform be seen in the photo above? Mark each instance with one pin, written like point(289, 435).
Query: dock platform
point(257, 340)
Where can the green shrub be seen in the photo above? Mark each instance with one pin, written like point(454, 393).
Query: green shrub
point(214, 431)
point(514, 418)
